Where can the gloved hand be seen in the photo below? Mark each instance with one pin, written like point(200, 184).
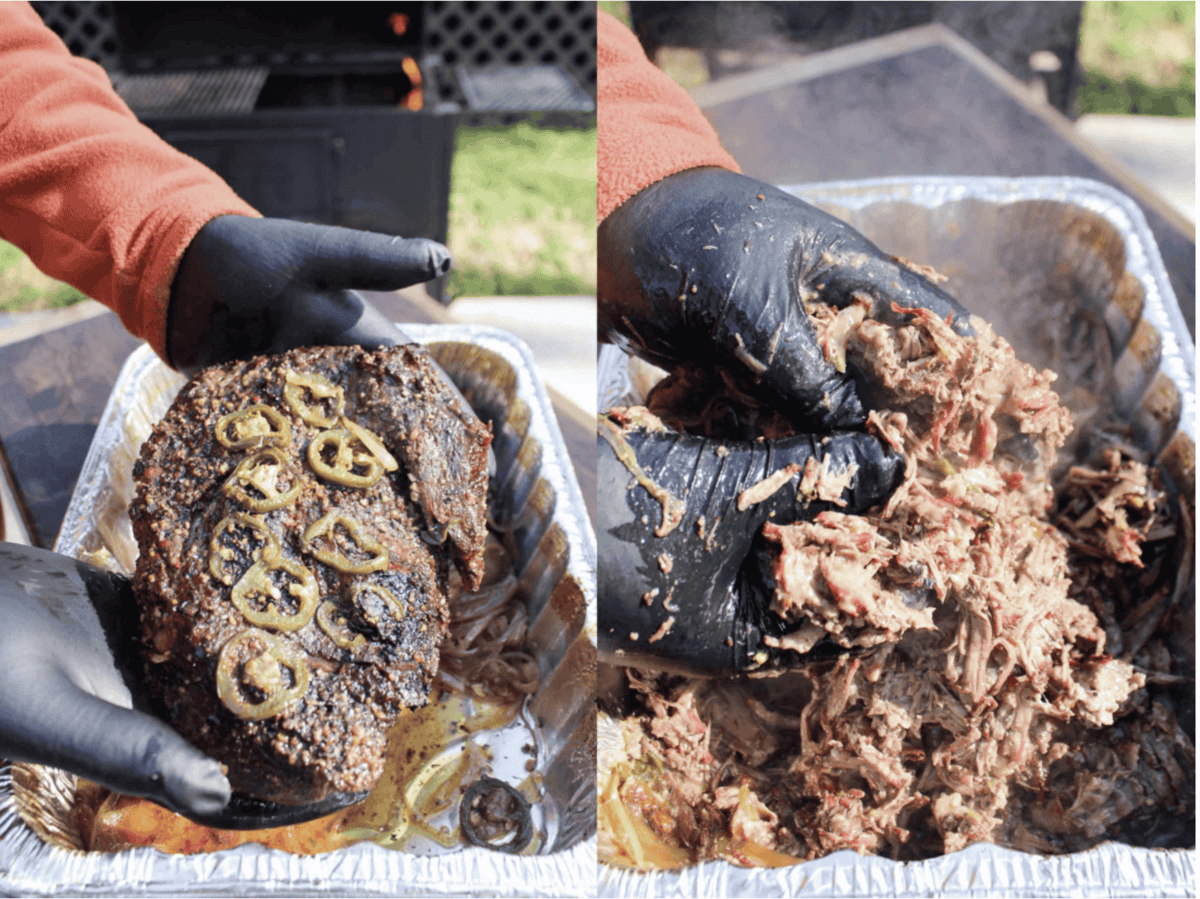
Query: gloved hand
point(708, 269)
point(247, 286)
point(65, 627)
point(677, 527)
point(711, 268)
point(72, 696)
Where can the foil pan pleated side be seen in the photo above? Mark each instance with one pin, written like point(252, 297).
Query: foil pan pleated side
point(978, 871)
point(1142, 258)
point(566, 629)
point(947, 223)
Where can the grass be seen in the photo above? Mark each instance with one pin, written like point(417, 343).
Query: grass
point(1138, 58)
point(617, 8)
point(523, 211)
point(25, 289)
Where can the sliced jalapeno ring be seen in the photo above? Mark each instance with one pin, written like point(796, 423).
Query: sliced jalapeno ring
point(345, 460)
point(399, 610)
point(336, 627)
point(262, 672)
point(321, 389)
point(220, 555)
point(261, 472)
point(363, 542)
point(257, 580)
point(253, 426)
point(371, 441)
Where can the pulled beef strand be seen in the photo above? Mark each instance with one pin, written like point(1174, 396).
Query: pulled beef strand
point(486, 650)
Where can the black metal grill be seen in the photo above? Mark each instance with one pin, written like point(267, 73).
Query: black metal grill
point(455, 40)
point(225, 91)
point(506, 88)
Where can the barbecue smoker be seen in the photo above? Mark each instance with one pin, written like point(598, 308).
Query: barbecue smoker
point(340, 113)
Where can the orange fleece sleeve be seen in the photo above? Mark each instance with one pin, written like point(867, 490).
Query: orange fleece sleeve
point(94, 197)
point(648, 126)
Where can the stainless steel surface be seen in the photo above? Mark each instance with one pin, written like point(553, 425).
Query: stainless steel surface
point(1005, 245)
point(538, 495)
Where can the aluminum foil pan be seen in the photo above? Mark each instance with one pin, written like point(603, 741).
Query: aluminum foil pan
point(535, 492)
point(1016, 251)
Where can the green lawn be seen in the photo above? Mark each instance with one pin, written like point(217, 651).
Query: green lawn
point(1138, 57)
point(523, 211)
point(617, 8)
point(23, 288)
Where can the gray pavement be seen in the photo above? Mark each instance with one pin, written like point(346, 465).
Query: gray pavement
point(560, 332)
point(1159, 151)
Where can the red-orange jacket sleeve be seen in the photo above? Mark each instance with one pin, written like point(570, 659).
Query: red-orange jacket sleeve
point(648, 126)
point(94, 197)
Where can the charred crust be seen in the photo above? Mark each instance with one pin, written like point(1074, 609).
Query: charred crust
point(332, 738)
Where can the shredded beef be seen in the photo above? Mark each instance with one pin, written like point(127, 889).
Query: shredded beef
point(998, 646)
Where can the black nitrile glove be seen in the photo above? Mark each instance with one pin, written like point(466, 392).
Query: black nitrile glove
point(248, 286)
point(711, 268)
point(64, 627)
point(72, 696)
point(675, 591)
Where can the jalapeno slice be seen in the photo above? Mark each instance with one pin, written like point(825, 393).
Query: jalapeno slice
point(376, 552)
point(257, 581)
point(260, 472)
point(374, 445)
point(348, 468)
point(398, 609)
point(220, 555)
point(253, 426)
point(336, 627)
point(262, 672)
point(294, 388)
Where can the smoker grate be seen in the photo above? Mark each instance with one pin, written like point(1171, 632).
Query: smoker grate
point(506, 88)
point(477, 35)
point(221, 92)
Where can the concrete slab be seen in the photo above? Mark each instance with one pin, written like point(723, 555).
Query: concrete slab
point(16, 326)
point(560, 332)
point(1159, 151)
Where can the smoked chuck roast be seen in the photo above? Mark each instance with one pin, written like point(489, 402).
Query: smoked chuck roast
point(297, 517)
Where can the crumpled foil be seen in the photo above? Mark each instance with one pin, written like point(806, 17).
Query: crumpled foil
point(533, 463)
point(967, 229)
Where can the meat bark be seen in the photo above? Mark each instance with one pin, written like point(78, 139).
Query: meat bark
point(297, 517)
